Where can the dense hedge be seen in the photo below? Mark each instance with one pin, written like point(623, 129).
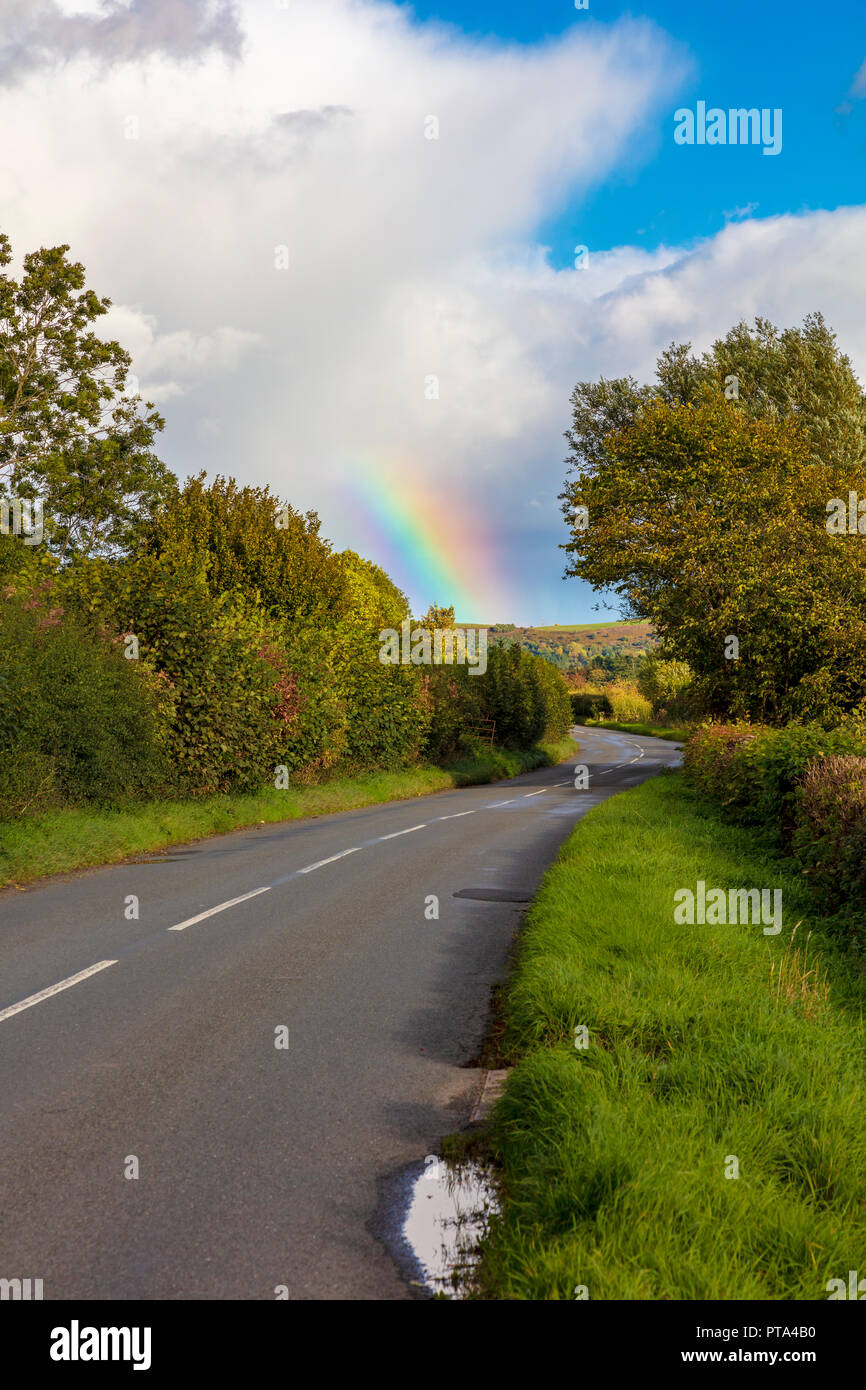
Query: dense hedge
point(222, 691)
point(804, 784)
point(77, 721)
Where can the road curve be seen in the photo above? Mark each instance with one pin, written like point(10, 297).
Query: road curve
point(148, 1043)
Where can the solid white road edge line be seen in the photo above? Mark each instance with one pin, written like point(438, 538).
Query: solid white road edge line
point(54, 989)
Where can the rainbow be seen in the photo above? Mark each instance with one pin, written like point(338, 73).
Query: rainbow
point(436, 547)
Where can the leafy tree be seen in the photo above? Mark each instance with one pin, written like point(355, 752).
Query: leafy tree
point(796, 374)
point(706, 494)
point(369, 596)
point(662, 681)
point(712, 524)
point(253, 545)
point(70, 433)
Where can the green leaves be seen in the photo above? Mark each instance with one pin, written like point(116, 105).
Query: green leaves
point(707, 494)
point(69, 432)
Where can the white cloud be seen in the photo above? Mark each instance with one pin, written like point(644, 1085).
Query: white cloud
point(408, 257)
point(41, 33)
point(167, 365)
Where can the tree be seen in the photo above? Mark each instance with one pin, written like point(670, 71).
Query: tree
point(662, 681)
point(252, 545)
point(711, 524)
point(706, 496)
point(370, 597)
point(796, 375)
point(70, 434)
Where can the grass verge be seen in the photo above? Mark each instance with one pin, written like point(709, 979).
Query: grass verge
point(654, 730)
point(78, 838)
point(706, 1043)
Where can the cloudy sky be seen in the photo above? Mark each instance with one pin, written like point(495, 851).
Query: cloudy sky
point(340, 236)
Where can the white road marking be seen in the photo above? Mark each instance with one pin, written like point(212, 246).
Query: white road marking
point(403, 832)
point(456, 814)
point(334, 857)
point(220, 907)
point(543, 790)
point(55, 989)
point(491, 804)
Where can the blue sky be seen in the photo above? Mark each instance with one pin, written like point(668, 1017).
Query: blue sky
point(410, 259)
point(800, 56)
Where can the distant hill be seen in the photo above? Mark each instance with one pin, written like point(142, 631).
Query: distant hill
point(579, 644)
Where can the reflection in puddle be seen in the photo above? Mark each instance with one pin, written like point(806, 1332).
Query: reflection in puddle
point(449, 1212)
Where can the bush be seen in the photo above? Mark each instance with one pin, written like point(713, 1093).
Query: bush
point(663, 683)
point(805, 785)
point(78, 721)
point(384, 719)
point(829, 839)
point(627, 704)
point(235, 712)
point(525, 694)
point(709, 759)
point(590, 706)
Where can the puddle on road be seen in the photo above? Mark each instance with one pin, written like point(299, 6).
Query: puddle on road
point(449, 1213)
point(438, 1215)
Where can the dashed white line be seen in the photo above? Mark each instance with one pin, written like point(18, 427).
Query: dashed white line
point(490, 805)
point(321, 862)
point(403, 832)
point(543, 790)
point(55, 989)
point(220, 907)
point(456, 815)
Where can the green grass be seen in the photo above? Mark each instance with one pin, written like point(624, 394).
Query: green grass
point(704, 1042)
point(58, 841)
point(655, 730)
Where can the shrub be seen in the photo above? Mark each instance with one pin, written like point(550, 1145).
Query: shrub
point(804, 784)
point(78, 722)
point(829, 839)
point(663, 683)
point(627, 704)
point(384, 719)
point(526, 696)
point(590, 706)
point(710, 757)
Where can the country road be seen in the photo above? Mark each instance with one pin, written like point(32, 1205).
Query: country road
point(260, 1165)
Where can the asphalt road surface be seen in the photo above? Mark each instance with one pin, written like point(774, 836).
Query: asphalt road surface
point(261, 1165)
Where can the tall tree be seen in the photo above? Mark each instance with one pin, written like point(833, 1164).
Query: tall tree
point(713, 525)
point(795, 374)
point(70, 432)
